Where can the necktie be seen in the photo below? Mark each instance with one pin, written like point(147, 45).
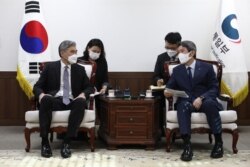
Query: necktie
point(66, 86)
point(189, 72)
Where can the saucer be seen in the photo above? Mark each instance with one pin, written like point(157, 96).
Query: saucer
point(149, 96)
point(110, 96)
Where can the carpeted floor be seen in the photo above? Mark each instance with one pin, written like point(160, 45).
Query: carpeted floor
point(12, 153)
point(121, 158)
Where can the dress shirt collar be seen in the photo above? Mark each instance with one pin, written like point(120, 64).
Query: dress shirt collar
point(192, 65)
point(63, 65)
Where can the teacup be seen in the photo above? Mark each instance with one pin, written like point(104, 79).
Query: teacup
point(148, 93)
point(111, 93)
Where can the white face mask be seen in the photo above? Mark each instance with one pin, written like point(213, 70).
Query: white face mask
point(72, 59)
point(171, 52)
point(93, 55)
point(184, 57)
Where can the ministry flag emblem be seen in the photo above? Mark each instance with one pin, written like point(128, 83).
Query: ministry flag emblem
point(226, 48)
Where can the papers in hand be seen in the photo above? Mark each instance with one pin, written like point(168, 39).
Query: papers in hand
point(177, 93)
point(95, 94)
point(152, 87)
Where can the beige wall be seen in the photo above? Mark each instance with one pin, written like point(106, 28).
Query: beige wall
point(130, 29)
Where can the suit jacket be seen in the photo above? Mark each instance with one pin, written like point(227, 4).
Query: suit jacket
point(101, 77)
point(159, 67)
point(49, 81)
point(204, 82)
point(159, 71)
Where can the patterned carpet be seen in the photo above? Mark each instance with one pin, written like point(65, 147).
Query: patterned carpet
point(121, 158)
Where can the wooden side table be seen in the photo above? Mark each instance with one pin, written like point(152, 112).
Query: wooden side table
point(134, 121)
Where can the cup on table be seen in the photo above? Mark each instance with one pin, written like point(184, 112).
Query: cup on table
point(111, 93)
point(148, 93)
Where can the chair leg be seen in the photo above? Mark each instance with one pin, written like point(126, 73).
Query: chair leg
point(168, 138)
point(51, 137)
point(175, 135)
point(92, 139)
point(235, 135)
point(210, 138)
point(27, 138)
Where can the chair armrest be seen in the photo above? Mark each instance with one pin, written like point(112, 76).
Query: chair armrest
point(92, 100)
point(170, 101)
point(225, 97)
point(167, 104)
point(225, 100)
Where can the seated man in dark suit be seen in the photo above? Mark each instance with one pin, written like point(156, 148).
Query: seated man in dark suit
point(199, 81)
point(63, 85)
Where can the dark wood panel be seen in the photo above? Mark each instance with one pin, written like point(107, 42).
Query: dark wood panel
point(242, 111)
point(135, 81)
point(14, 103)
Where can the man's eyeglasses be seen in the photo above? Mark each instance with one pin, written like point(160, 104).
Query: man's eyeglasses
point(73, 51)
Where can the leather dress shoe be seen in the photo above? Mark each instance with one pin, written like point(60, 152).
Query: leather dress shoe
point(46, 151)
point(65, 151)
point(217, 151)
point(187, 154)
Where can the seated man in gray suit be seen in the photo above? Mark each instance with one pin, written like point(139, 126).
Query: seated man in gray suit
point(63, 85)
point(199, 81)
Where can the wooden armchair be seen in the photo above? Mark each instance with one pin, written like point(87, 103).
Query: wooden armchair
point(198, 120)
point(59, 121)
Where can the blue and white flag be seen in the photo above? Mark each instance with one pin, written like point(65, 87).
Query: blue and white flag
point(227, 49)
point(33, 48)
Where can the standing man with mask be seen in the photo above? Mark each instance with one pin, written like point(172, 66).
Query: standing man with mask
point(172, 41)
point(199, 81)
point(63, 85)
